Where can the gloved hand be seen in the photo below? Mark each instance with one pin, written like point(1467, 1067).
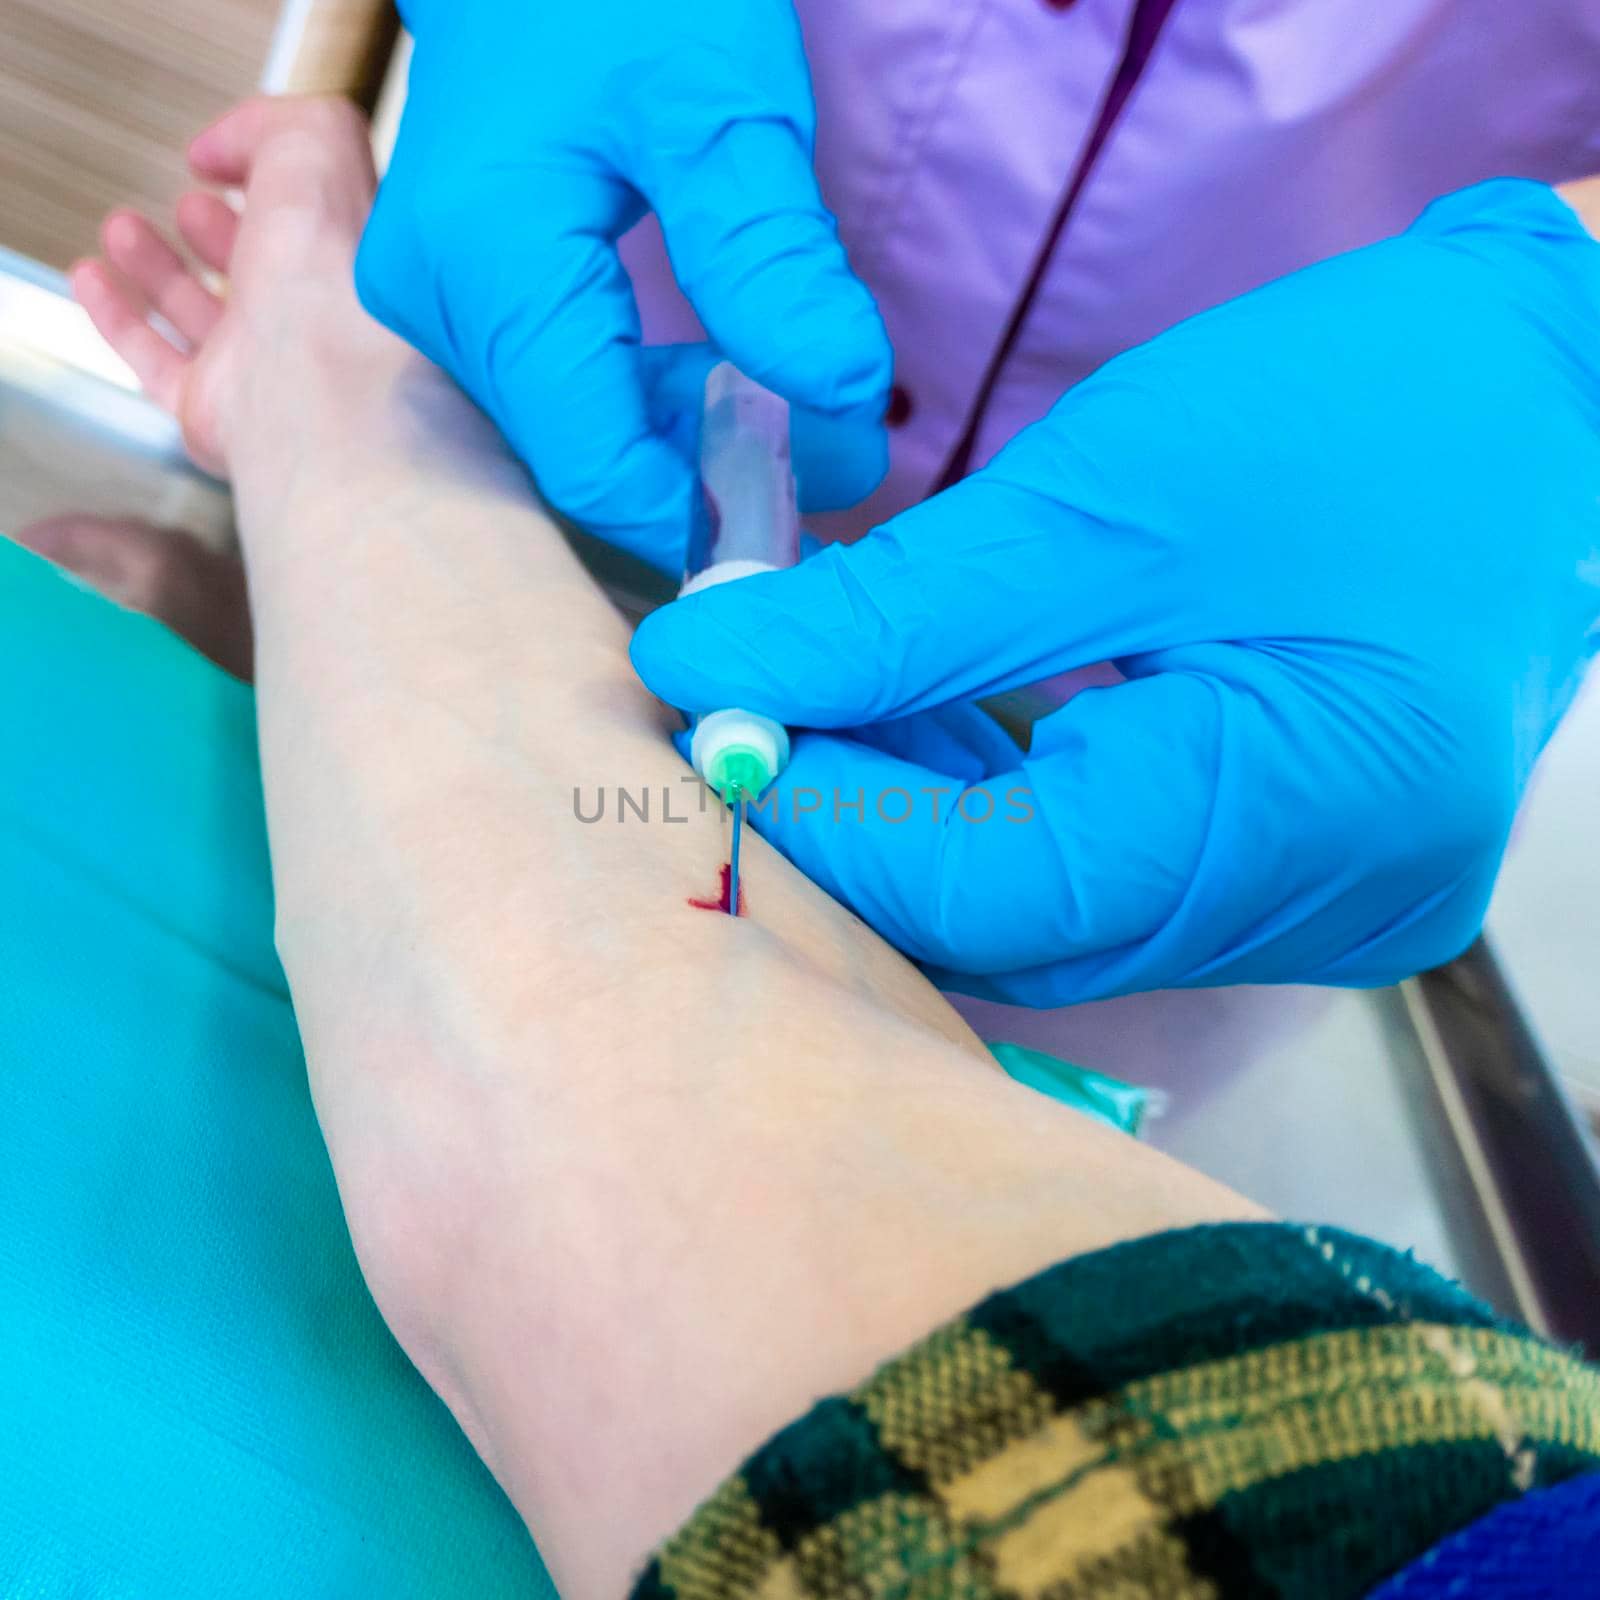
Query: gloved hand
point(534, 136)
point(1342, 536)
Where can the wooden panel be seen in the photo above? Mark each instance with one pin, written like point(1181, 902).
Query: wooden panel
point(99, 97)
point(336, 47)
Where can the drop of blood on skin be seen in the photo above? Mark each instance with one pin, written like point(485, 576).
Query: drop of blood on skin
point(721, 902)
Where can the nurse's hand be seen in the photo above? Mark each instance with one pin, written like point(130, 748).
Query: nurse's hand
point(534, 136)
point(1342, 536)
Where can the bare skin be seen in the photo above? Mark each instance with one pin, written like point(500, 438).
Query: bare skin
point(633, 1183)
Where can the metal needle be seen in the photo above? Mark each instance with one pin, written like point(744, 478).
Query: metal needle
point(737, 795)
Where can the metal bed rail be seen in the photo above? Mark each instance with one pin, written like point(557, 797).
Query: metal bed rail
point(1529, 1157)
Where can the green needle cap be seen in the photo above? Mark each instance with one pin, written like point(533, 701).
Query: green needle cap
point(739, 770)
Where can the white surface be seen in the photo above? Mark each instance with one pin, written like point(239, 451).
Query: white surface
point(39, 319)
point(1545, 919)
point(285, 44)
point(1313, 1102)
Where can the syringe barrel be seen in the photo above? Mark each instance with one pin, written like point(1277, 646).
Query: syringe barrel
point(746, 519)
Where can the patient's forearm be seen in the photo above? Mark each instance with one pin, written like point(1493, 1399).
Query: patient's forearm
point(633, 1182)
point(407, 588)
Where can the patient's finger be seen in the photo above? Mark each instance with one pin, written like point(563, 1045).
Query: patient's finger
point(160, 274)
point(157, 364)
point(334, 142)
point(210, 228)
point(223, 153)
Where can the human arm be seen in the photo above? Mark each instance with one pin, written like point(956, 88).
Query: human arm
point(632, 1182)
point(1340, 537)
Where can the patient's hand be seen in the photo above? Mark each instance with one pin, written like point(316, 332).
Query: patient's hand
point(305, 166)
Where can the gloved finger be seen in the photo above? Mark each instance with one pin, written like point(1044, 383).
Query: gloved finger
point(1087, 847)
point(562, 379)
point(981, 589)
point(674, 378)
point(837, 461)
point(758, 255)
point(1266, 937)
point(543, 332)
point(960, 741)
point(1277, 813)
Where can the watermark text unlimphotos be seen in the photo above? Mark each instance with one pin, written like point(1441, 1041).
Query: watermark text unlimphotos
point(669, 804)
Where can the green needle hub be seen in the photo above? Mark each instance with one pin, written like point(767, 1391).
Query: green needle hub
point(739, 772)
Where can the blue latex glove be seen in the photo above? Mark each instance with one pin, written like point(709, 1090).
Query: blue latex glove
point(1343, 537)
point(534, 136)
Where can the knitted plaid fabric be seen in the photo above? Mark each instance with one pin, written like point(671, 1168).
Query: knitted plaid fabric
point(1253, 1409)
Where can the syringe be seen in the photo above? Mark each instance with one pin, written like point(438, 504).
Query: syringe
point(747, 521)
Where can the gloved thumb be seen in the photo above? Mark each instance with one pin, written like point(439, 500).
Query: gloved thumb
point(758, 255)
point(986, 587)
